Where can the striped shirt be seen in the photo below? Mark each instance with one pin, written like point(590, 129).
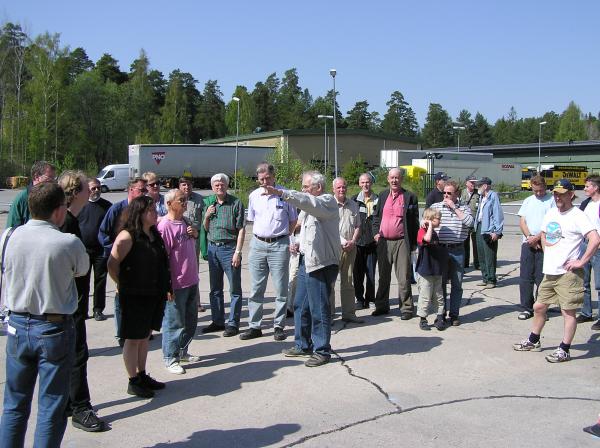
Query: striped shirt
point(452, 229)
point(227, 221)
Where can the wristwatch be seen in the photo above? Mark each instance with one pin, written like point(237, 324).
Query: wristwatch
point(238, 252)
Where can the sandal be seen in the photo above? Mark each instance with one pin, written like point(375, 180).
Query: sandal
point(525, 315)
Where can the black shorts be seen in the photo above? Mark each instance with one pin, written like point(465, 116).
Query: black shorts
point(140, 315)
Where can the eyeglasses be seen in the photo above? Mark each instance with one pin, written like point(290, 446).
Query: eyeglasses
point(154, 184)
point(94, 188)
point(448, 193)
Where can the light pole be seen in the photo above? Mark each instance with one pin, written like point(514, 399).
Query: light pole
point(330, 117)
point(333, 72)
point(542, 123)
point(458, 128)
point(237, 136)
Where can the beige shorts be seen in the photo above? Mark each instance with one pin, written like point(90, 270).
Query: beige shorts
point(565, 290)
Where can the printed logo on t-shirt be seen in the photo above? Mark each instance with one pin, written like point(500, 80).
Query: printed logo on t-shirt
point(553, 233)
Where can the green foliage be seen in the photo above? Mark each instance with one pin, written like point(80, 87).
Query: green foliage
point(437, 131)
point(352, 170)
point(288, 168)
point(399, 118)
point(246, 112)
point(572, 126)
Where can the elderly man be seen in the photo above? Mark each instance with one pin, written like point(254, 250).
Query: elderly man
point(225, 232)
point(40, 330)
point(181, 311)
point(470, 198)
point(366, 247)
point(90, 218)
point(489, 227)
point(109, 229)
point(18, 214)
point(564, 229)
point(454, 230)
point(319, 246)
point(395, 227)
point(273, 221)
point(349, 232)
point(531, 214)
point(437, 193)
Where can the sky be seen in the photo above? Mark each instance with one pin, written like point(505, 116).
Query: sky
point(484, 56)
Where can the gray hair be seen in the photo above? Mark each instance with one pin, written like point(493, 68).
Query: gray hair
point(149, 175)
point(171, 195)
point(338, 179)
point(265, 167)
point(220, 177)
point(316, 178)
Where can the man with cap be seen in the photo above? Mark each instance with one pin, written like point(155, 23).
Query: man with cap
point(564, 230)
point(470, 198)
point(437, 194)
point(489, 224)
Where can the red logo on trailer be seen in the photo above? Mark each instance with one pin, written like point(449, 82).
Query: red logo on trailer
point(158, 157)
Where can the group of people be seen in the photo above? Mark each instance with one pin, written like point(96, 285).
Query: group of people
point(150, 245)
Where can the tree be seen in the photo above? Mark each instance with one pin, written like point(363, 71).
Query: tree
point(109, 69)
point(173, 119)
point(246, 112)
point(77, 63)
point(481, 134)
point(464, 119)
point(437, 131)
point(359, 117)
point(292, 101)
point(572, 126)
point(400, 118)
point(210, 119)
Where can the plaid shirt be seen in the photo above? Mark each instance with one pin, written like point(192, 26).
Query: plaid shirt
point(228, 220)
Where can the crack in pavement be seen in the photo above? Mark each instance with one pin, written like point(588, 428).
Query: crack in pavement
point(399, 411)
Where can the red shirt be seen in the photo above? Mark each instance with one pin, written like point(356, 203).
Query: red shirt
point(392, 217)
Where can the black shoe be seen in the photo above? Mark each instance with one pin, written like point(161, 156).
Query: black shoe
point(380, 311)
point(279, 334)
point(88, 421)
point(295, 352)
point(423, 325)
point(455, 321)
point(289, 313)
point(440, 323)
point(353, 320)
point(136, 388)
point(99, 316)
point(121, 342)
point(406, 315)
point(252, 333)
point(316, 360)
point(583, 318)
point(596, 326)
point(213, 328)
point(230, 331)
point(150, 383)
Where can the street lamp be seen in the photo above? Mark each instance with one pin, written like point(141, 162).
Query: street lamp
point(330, 117)
point(542, 123)
point(458, 128)
point(333, 72)
point(237, 136)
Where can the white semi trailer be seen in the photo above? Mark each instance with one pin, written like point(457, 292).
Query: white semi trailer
point(200, 162)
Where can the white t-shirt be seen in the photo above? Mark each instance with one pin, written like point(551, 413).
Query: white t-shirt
point(564, 234)
point(591, 211)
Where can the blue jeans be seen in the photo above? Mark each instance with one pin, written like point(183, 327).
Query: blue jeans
point(179, 323)
point(265, 258)
point(455, 272)
point(37, 347)
point(592, 265)
point(219, 264)
point(312, 316)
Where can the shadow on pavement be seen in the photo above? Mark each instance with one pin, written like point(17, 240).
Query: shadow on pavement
point(394, 346)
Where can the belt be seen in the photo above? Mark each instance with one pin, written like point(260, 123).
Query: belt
point(50, 317)
point(271, 240)
point(222, 243)
point(451, 245)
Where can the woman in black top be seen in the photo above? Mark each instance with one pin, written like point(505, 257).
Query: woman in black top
point(139, 266)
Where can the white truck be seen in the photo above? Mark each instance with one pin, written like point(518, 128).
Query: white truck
point(114, 177)
point(200, 162)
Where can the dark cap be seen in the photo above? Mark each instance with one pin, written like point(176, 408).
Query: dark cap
point(440, 176)
point(485, 180)
point(562, 186)
point(471, 177)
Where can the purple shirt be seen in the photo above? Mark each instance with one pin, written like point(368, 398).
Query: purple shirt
point(270, 214)
point(181, 249)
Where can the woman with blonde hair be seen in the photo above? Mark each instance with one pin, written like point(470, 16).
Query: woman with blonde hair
point(153, 184)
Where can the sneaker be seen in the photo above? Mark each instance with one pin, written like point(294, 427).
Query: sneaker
point(440, 323)
point(88, 421)
point(150, 383)
point(455, 321)
point(296, 352)
point(136, 388)
point(423, 325)
point(230, 331)
point(252, 333)
point(188, 358)
point(582, 318)
point(99, 316)
point(176, 369)
point(482, 283)
point(316, 360)
point(559, 355)
point(279, 334)
point(213, 328)
point(527, 346)
point(596, 325)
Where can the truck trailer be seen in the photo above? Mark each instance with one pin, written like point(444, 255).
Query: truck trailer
point(200, 162)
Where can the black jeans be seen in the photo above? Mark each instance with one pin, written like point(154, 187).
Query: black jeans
point(365, 265)
point(471, 240)
point(532, 261)
point(98, 263)
point(79, 396)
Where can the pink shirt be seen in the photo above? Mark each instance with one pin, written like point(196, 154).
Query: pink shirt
point(181, 249)
point(392, 218)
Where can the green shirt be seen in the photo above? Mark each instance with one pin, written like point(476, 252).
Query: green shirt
point(227, 221)
point(18, 214)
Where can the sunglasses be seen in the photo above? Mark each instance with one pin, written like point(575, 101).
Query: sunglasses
point(448, 193)
point(94, 188)
point(154, 184)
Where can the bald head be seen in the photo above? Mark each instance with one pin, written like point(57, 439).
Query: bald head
point(339, 189)
point(395, 177)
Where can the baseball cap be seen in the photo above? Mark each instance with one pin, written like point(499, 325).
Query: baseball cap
point(485, 180)
point(562, 186)
point(471, 177)
point(440, 176)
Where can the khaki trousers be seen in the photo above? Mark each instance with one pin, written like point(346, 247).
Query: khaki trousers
point(346, 286)
point(396, 254)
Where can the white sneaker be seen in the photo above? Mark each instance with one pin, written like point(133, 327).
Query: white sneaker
point(176, 369)
point(189, 358)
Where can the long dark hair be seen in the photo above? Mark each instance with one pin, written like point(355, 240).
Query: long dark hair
point(132, 217)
